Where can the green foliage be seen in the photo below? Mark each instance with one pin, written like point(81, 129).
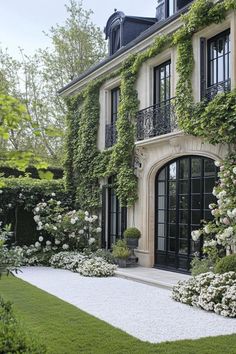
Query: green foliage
point(215, 121)
point(120, 250)
point(132, 232)
point(199, 266)
point(226, 264)
point(13, 338)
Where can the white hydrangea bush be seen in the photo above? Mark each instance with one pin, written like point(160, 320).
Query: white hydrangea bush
point(222, 230)
point(88, 266)
point(61, 229)
point(209, 291)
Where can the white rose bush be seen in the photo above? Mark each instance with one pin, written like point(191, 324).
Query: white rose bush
point(222, 230)
point(210, 292)
point(63, 229)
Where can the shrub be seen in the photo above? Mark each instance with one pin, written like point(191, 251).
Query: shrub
point(132, 232)
point(13, 338)
point(106, 255)
point(209, 291)
point(226, 264)
point(120, 249)
point(199, 266)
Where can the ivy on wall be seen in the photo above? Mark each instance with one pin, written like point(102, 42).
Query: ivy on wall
point(85, 164)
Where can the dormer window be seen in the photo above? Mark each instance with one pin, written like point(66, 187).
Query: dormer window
point(115, 43)
point(167, 8)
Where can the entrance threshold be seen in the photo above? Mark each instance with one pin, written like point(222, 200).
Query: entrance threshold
point(150, 276)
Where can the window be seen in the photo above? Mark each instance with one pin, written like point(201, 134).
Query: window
point(162, 82)
point(115, 39)
point(219, 53)
point(167, 8)
point(183, 194)
point(116, 216)
point(111, 127)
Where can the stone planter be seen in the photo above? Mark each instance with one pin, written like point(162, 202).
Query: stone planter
point(121, 262)
point(132, 243)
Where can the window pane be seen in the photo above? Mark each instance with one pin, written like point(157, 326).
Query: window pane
point(221, 69)
point(183, 231)
point(183, 187)
point(196, 186)
point(183, 202)
point(183, 216)
point(184, 168)
point(209, 167)
point(196, 201)
point(183, 246)
point(161, 216)
point(172, 171)
point(162, 175)
point(196, 167)
point(161, 244)
point(196, 216)
point(172, 188)
point(161, 188)
point(172, 244)
point(161, 230)
point(161, 202)
point(172, 216)
point(209, 183)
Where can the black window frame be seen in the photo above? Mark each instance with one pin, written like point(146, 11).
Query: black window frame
point(157, 83)
point(176, 199)
point(227, 54)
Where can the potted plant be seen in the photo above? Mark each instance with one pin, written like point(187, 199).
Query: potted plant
point(121, 253)
point(132, 235)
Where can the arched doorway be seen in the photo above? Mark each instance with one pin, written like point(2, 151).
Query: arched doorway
point(183, 192)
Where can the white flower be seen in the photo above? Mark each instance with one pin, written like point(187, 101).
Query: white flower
point(53, 194)
point(91, 241)
point(98, 229)
point(222, 194)
point(20, 195)
point(234, 212)
point(1, 191)
point(48, 243)
point(36, 218)
point(217, 163)
point(57, 242)
point(37, 244)
point(65, 246)
point(40, 238)
point(37, 209)
point(195, 234)
point(207, 229)
point(86, 213)
point(73, 221)
point(54, 228)
point(9, 205)
point(59, 203)
point(234, 170)
point(95, 217)
point(81, 232)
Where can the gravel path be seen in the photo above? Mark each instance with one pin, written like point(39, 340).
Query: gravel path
point(144, 311)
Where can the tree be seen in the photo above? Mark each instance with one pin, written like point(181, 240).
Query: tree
point(35, 80)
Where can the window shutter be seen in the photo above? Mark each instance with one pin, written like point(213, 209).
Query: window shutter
point(202, 67)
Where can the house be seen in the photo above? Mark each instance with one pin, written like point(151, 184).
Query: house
point(175, 171)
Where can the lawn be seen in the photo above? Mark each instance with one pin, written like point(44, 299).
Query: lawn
point(67, 330)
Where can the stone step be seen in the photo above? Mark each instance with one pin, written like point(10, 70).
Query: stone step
point(150, 276)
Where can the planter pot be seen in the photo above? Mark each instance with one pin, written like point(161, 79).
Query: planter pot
point(122, 262)
point(132, 243)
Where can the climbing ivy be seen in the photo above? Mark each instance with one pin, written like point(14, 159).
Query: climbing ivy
point(85, 164)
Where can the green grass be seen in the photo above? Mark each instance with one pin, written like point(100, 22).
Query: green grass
point(67, 330)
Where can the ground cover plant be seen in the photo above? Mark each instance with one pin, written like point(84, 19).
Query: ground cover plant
point(66, 329)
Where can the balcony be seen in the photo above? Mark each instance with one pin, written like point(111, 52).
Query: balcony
point(110, 137)
point(156, 120)
point(212, 91)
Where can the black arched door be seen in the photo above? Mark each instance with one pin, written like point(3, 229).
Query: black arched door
point(183, 193)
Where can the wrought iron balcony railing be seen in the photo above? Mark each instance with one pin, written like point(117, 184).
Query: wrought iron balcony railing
point(156, 120)
point(220, 87)
point(110, 137)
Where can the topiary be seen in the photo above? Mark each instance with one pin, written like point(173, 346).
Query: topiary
point(120, 250)
point(226, 264)
point(132, 232)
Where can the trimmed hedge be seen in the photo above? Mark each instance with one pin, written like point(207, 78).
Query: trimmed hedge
point(226, 264)
point(19, 196)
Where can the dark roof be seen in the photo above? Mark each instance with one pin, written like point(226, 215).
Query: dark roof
point(147, 33)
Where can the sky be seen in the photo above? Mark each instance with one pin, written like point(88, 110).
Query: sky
point(22, 22)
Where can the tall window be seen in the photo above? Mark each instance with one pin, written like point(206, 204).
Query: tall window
point(162, 89)
point(183, 194)
point(115, 39)
point(116, 217)
point(110, 138)
point(115, 99)
point(219, 53)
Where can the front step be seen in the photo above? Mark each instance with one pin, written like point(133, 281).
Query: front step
point(150, 276)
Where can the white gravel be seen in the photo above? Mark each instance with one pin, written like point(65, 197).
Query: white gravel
point(144, 311)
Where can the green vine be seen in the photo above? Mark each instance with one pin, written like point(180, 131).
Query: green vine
point(85, 164)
